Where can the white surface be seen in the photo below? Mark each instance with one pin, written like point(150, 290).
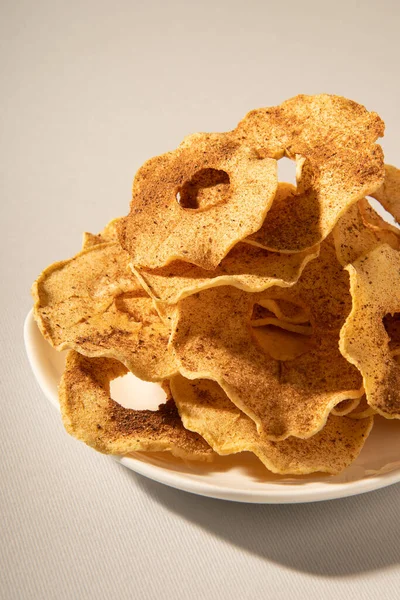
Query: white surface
point(89, 91)
point(240, 477)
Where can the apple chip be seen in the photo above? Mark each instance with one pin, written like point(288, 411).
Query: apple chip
point(195, 203)
point(206, 409)
point(375, 289)
point(92, 303)
point(332, 139)
point(245, 267)
point(213, 339)
point(90, 415)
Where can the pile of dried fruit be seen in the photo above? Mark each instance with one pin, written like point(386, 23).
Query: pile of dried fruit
point(269, 312)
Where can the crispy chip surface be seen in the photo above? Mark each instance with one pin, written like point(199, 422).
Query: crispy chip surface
point(225, 190)
point(90, 415)
point(375, 289)
point(92, 303)
point(246, 267)
point(332, 138)
point(206, 409)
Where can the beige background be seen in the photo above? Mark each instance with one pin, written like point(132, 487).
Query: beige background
point(89, 90)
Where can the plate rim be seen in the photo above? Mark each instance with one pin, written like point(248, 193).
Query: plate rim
point(326, 491)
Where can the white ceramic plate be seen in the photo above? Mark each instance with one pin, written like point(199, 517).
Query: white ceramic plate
point(239, 477)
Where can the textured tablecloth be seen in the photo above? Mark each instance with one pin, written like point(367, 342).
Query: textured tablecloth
point(89, 90)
